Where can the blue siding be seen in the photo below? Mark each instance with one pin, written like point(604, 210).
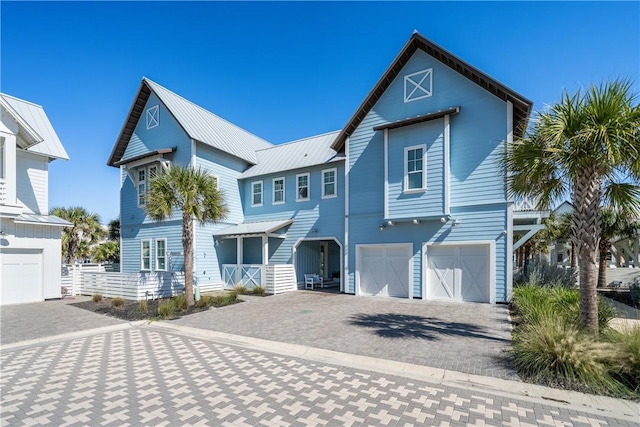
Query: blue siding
point(133, 235)
point(425, 203)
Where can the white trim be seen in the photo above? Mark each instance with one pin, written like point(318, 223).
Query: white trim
point(335, 183)
point(447, 164)
point(265, 249)
point(217, 179)
point(345, 270)
point(385, 135)
point(492, 264)
point(509, 141)
point(509, 249)
point(408, 246)
point(299, 199)
point(253, 193)
point(141, 182)
point(142, 255)
point(406, 188)
point(153, 117)
point(284, 190)
point(165, 254)
point(417, 85)
point(193, 154)
point(294, 249)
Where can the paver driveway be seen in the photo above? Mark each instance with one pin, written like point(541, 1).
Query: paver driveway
point(470, 338)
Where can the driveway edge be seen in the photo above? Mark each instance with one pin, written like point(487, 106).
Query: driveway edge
point(597, 405)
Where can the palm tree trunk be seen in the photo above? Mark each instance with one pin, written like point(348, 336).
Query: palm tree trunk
point(187, 245)
point(603, 246)
point(585, 234)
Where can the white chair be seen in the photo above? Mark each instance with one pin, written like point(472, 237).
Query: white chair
point(312, 279)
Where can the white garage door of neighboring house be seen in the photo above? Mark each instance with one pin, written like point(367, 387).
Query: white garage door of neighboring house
point(21, 277)
point(383, 270)
point(459, 272)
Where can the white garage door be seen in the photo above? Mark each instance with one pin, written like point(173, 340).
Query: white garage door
point(384, 270)
point(21, 277)
point(458, 272)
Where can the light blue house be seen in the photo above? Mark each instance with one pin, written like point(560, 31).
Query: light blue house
point(406, 200)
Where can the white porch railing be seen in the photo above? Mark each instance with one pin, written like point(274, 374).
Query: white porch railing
point(3, 191)
point(525, 204)
point(276, 278)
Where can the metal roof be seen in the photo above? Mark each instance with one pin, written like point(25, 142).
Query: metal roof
point(257, 227)
point(41, 220)
point(36, 130)
point(521, 105)
point(315, 150)
point(198, 123)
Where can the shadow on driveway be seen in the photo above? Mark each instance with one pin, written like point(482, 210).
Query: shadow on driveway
point(395, 325)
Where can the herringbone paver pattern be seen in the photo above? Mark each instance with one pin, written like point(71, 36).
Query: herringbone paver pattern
point(143, 376)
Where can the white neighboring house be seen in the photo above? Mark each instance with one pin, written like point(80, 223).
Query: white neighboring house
point(30, 239)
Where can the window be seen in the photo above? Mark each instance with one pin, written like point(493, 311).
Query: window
point(302, 192)
point(414, 168)
point(145, 255)
point(142, 186)
point(278, 190)
point(329, 183)
point(161, 254)
point(560, 258)
point(256, 193)
point(153, 117)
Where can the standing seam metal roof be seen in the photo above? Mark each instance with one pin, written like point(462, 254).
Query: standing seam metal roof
point(199, 124)
point(311, 151)
point(47, 141)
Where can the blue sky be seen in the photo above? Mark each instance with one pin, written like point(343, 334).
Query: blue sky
point(281, 70)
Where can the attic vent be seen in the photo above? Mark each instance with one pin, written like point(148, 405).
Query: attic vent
point(153, 117)
point(418, 85)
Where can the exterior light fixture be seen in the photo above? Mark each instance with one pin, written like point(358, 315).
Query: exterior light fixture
point(382, 226)
point(390, 223)
point(443, 219)
point(416, 221)
point(456, 222)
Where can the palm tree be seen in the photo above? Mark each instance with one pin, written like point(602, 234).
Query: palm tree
point(587, 146)
point(613, 224)
point(84, 232)
point(194, 192)
point(107, 251)
point(114, 229)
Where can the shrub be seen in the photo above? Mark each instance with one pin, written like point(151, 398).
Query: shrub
point(96, 297)
point(117, 302)
point(166, 308)
point(547, 275)
point(259, 290)
point(625, 361)
point(180, 302)
point(226, 299)
point(204, 301)
point(143, 307)
point(556, 352)
point(240, 289)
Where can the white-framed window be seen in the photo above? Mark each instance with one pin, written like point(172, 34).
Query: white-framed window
point(278, 190)
point(161, 255)
point(216, 179)
point(415, 162)
point(329, 183)
point(145, 255)
point(418, 85)
point(302, 187)
point(142, 186)
point(256, 193)
point(153, 117)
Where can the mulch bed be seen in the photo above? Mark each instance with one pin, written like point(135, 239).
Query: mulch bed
point(131, 309)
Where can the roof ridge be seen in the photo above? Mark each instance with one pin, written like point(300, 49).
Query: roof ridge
point(299, 140)
point(146, 79)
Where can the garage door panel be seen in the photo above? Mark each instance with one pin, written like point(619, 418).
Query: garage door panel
point(21, 277)
point(384, 271)
point(458, 272)
point(474, 270)
point(441, 276)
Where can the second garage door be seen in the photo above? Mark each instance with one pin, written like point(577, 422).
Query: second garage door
point(21, 277)
point(383, 270)
point(459, 272)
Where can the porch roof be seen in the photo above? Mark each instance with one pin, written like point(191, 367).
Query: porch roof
point(255, 228)
point(41, 220)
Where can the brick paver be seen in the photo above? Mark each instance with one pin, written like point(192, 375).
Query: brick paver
point(463, 337)
point(147, 376)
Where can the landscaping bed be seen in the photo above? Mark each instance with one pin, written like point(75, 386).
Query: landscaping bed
point(623, 296)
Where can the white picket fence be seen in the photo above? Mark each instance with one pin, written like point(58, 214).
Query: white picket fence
point(91, 279)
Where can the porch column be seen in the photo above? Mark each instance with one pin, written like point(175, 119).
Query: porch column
point(239, 254)
point(636, 249)
point(265, 250)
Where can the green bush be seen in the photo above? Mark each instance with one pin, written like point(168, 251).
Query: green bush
point(204, 301)
point(118, 302)
point(625, 361)
point(259, 290)
point(96, 297)
point(547, 275)
point(230, 297)
point(166, 308)
point(180, 302)
point(240, 289)
point(143, 307)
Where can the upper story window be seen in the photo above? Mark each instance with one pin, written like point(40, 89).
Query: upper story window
point(302, 190)
point(329, 183)
point(142, 186)
point(161, 255)
point(418, 85)
point(278, 190)
point(153, 117)
point(415, 168)
point(256, 193)
point(145, 255)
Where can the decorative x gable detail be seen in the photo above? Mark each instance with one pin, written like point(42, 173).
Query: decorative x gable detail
point(418, 85)
point(153, 117)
